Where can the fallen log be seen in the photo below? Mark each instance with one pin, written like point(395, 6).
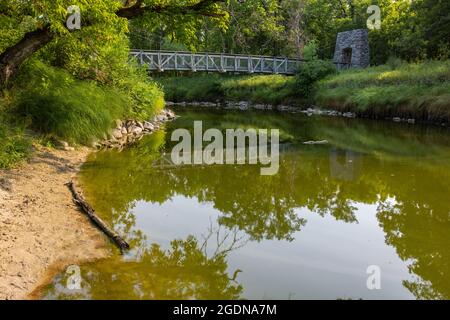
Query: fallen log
point(90, 212)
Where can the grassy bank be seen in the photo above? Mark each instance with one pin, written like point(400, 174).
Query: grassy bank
point(51, 104)
point(420, 91)
point(273, 89)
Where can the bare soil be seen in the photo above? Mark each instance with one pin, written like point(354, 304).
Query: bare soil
point(41, 229)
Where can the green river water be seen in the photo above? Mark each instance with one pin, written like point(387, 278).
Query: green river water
point(378, 194)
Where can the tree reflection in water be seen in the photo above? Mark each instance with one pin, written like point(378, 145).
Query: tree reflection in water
point(404, 171)
point(185, 271)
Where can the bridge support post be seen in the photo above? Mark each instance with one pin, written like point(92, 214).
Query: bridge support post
point(175, 63)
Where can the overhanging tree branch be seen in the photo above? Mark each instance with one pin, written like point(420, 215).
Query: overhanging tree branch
point(200, 8)
point(13, 57)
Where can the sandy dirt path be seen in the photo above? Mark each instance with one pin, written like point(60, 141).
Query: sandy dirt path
point(41, 230)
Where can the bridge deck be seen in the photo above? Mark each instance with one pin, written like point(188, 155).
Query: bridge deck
point(215, 62)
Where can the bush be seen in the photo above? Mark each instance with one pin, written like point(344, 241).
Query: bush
point(146, 97)
point(310, 51)
point(309, 73)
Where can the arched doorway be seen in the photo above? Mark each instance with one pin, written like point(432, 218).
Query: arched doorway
point(347, 58)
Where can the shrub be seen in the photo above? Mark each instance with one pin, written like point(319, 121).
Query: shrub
point(309, 73)
point(310, 51)
point(146, 97)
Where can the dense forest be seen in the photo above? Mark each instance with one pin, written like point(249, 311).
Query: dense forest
point(410, 30)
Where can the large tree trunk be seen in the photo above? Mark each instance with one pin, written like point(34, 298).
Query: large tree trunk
point(13, 57)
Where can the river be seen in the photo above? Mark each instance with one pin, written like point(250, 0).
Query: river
point(375, 197)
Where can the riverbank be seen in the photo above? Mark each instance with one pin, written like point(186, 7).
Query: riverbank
point(41, 229)
point(416, 92)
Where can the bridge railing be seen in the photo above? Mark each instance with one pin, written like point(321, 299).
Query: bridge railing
point(215, 62)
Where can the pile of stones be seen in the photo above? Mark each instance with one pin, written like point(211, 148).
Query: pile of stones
point(130, 131)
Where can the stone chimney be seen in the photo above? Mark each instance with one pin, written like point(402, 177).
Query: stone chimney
point(352, 49)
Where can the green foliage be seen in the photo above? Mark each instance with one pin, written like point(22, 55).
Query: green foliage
point(395, 63)
point(420, 91)
point(268, 89)
point(202, 87)
point(182, 271)
point(271, 89)
point(55, 103)
point(411, 30)
point(12, 30)
point(310, 72)
point(310, 51)
point(145, 96)
point(14, 145)
point(93, 82)
point(433, 21)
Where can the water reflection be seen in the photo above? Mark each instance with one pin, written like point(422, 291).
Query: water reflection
point(404, 173)
point(182, 272)
point(344, 164)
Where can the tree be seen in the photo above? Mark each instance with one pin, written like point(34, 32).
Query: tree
point(183, 271)
point(105, 18)
point(433, 18)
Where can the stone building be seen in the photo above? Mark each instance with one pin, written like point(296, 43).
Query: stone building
point(352, 49)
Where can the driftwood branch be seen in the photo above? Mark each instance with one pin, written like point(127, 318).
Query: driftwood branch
point(90, 212)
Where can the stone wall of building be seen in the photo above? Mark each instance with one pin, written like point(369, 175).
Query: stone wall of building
point(352, 49)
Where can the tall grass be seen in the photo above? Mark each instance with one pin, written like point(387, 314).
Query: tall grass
point(54, 103)
point(419, 91)
point(14, 145)
point(145, 96)
point(270, 89)
point(201, 87)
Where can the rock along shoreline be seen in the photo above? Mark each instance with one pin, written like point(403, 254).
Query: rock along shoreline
point(247, 106)
point(130, 131)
